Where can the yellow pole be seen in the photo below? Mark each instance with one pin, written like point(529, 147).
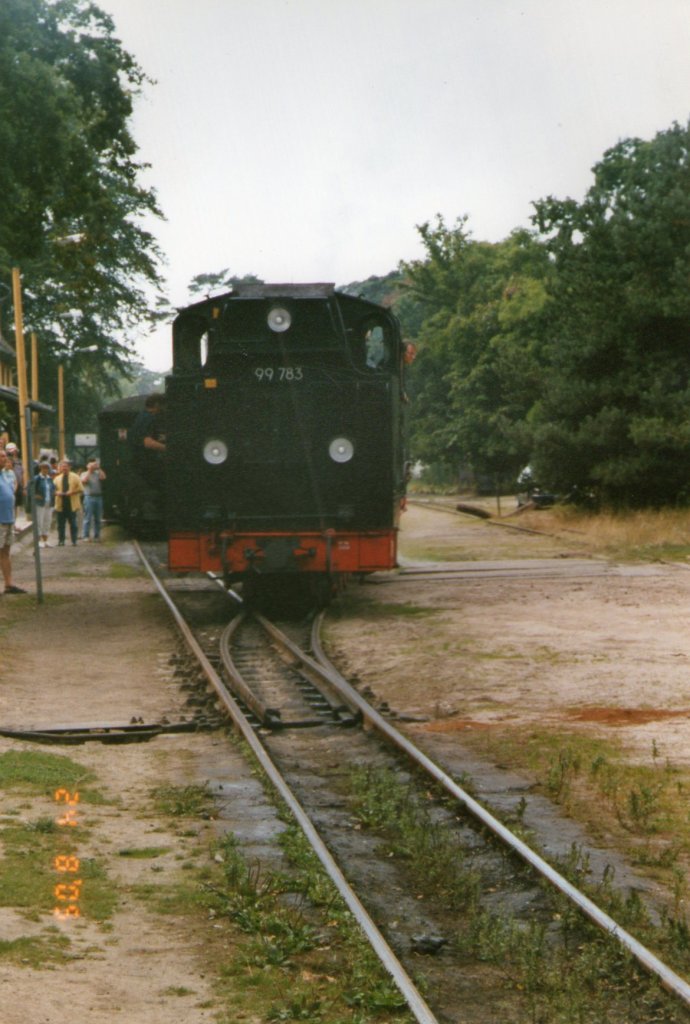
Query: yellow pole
point(61, 411)
point(21, 368)
point(34, 392)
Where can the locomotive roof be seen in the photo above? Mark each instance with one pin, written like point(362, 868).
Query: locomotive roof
point(251, 290)
point(248, 290)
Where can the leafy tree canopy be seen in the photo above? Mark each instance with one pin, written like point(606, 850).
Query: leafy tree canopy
point(73, 207)
point(482, 348)
point(219, 281)
point(615, 418)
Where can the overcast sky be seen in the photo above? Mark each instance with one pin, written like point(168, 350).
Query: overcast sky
point(303, 140)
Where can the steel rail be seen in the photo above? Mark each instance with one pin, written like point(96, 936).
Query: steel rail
point(668, 977)
point(403, 982)
point(267, 716)
point(318, 675)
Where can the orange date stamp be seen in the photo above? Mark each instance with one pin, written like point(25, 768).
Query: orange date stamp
point(67, 891)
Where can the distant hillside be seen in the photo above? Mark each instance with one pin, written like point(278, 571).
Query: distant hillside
point(383, 290)
point(390, 291)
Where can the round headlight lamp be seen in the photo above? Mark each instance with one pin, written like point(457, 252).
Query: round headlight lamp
point(215, 452)
point(341, 449)
point(279, 319)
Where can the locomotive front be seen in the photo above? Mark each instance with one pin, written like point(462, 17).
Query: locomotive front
point(284, 434)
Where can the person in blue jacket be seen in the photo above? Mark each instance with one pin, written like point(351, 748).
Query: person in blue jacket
point(8, 490)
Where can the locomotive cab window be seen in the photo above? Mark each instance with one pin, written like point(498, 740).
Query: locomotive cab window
point(192, 344)
point(377, 347)
point(204, 349)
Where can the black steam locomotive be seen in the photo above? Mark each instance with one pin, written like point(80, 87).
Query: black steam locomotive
point(285, 452)
point(128, 497)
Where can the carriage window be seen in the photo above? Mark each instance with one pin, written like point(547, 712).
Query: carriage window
point(376, 348)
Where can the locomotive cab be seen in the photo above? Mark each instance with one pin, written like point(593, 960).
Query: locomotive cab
point(284, 436)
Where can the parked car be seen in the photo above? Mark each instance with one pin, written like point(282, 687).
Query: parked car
point(530, 493)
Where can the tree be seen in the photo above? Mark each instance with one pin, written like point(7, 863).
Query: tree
point(221, 280)
point(615, 418)
point(73, 208)
point(482, 348)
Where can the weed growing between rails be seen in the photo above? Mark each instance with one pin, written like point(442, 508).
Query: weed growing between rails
point(435, 861)
point(643, 806)
point(299, 953)
point(559, 966)
point(282, 944)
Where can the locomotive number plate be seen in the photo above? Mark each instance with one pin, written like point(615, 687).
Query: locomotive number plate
point(287, 374)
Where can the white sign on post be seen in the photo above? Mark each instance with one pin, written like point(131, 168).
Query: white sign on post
point(85, 440)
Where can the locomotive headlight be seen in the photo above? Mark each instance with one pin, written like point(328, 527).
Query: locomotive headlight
point(279, 319)
point(215, 452)
point(341, 449)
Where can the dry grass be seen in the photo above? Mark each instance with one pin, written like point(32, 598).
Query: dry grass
point(638, 535)
point(653, 534)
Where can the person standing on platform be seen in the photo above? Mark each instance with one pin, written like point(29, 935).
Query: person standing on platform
point(8, 489)
point(92, 480)
point(68, 492)
point(18, 467)
point(44, 500)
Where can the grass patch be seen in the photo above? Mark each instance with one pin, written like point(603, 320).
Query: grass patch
point(183, 801)
point(28, 875)
point(123, 571)
point(44, 773)
point(36, 951)
point(354, 602)
point(641, 535)
point(33, 848)
point(143, 852)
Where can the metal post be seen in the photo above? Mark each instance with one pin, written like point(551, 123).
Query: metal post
point(61, 411)
point(34, 522)
point(34, 392)
point(21, 367)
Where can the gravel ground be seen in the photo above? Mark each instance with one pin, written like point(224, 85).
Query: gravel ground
point(585, 645)
point(101, 649)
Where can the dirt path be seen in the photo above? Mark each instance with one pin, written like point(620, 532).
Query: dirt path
point(607, 649)
point(99, 651)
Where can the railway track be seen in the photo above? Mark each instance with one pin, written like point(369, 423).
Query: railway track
point(291, 707)
point(276, 679)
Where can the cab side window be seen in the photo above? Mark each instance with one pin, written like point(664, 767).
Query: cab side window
point(376, 347)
